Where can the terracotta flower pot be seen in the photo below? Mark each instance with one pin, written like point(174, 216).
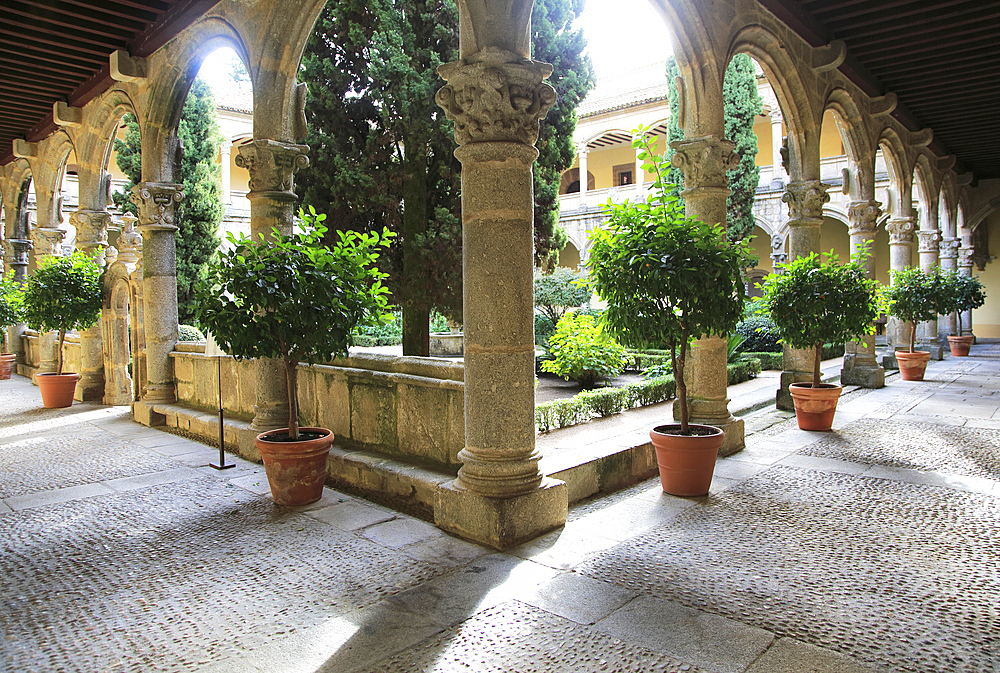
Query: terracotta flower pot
point(960, 345)
point(6, 365)
point(57, 389)
point(912, 365)
point(686, 462)
point(815, 407)
point(296, 471)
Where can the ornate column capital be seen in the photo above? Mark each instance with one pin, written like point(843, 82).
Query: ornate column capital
point(966, 260)
point(129, 242)
point(16, 251)
point(929, 240)
point(272, 164)
point(949, 247)
point(805, 201)
point(91, 228)
point(778, 254)
point(864, 217)
point(496, 96)
point(704, 161)
point(47, 242)
point(157, 202)
point(900, 230)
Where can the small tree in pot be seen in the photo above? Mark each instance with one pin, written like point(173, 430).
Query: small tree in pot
point(914, 296)
point(812, 303)
point(10, 315)
point(63, 294)
point(960, 294)
point(291, 297)
point(668, 278)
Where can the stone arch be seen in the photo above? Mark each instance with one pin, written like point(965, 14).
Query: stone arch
point(926, 186)
point(107, 114)
point(900, 173)
point(947, 210)
point(118, 326)
point(570, 181)
point(858, 144)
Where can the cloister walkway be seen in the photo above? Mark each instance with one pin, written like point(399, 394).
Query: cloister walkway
point(874, 547)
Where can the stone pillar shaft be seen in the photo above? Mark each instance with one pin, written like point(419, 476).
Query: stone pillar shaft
point(16, 255)
point(583, 152)
point(965, 269)
point(860, 367)
point(930, 239)
point(948, 252)
point(901, 234)
point(272, 166)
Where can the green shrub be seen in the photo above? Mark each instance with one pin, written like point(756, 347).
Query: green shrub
point(559, 291)
point(768, 360)
point(544, 327)
point(760, 334)
point(582, 351)
point(602, 402)
point(831, 351)
point(742, 370)
point(189, 333)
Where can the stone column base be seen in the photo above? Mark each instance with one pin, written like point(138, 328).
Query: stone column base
point(889, 362)
point(143, 413)
point(735, 440)
point(501, 522)
point(864, 374)
point(783, 398)
point(936, 351)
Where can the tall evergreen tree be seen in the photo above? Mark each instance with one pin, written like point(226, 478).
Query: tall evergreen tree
point(742, 105)
point(201, 211)
point(554, 41)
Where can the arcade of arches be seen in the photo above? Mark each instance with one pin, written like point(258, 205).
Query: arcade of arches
point(474, 423)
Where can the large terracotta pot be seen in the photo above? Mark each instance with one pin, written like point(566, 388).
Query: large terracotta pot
point(6, 365)
point(686, 462)
point(960, 345)
point(912, 365)
point(296, 471)
point(57, 389)
point(815, 407)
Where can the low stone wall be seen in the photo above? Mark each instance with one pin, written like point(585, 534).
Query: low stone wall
point(32, 344)
point(411, 408)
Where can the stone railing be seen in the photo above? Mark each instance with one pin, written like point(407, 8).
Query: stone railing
point(405, 407)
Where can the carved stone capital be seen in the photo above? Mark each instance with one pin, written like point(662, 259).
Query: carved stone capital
point(129, 241)
point(47, 242)
point(901, 230)
point(16, 251)
point(496, 96)
point(272, 165)
point(949, 248)
point(157, 202)
point(805, 200)
point(966, 260)
point(91, 228)
point(864, 217)
point(704, 161)
point(929, 240)
point(777, 243)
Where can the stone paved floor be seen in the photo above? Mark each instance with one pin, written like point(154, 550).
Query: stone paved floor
point(875, 547)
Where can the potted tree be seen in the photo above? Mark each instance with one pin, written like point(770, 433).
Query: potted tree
point(294, 298)
point(914, 296)
point(962, 293)
point(10, 314)
point(63, 294)
point(813, 302)
point(668, 279)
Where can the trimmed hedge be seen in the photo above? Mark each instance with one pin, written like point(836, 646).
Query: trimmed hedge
point(831, 351)
point(767, 360)
point(369, 341)
point(643, 360)
point(742, 370)
point(189, 333)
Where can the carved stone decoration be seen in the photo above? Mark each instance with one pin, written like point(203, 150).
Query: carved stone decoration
point(864, 216)
point(778, 254)
point(157, 202)
point(929, 240)
point(966, 258)
point(705, 161)
point(949, 247)
point(129, 242)
point(806, 199)
point(16, 252)
point(272, 164)
point(496, 96)
point(901, 230)
point(91, 228)
point(47, 242)
point(980, 247)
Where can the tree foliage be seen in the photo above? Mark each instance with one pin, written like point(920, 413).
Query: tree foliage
point(813, 302)
point(742, 105)
point(63, 294)
point(558, 291)
point(582, 351)
point(201, 210)
point(960, 293)
point(916, 295)
point(292, 297)
point(10, 305)
point(555, 41)
point(667, 278)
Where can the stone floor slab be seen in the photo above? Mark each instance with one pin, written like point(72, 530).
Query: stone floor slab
point(578, 598)
point(790, 656)
point(56, 496)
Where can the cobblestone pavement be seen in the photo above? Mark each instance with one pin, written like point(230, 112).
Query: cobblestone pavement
point(874, 547)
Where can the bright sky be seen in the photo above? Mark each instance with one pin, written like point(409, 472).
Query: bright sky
point(621, 35)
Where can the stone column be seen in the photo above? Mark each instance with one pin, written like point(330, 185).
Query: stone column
point(92, 239)
point(157, 203)
point(778, 254)
point(704, 161)
point(805, 201)
point(16, 257)
point(860, 367)
point(225, 150)
point(965, 269)
point(272, 166)
point(948, 259)
point(640, 174)
point(500, 497)
point(582, 152)
point(776, 135)
point(901, 231)
point(47, 242)
point(927, 332)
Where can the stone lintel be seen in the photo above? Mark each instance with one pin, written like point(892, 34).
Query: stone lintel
point(501, 523)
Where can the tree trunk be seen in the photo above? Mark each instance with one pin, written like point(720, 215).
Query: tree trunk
point(682, 398)
point(292, 379)
point(59, 348)
point(416, 314)
point(817, 376)
point(416, 331)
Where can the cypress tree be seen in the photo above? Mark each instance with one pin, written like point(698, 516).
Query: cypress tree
point(742, 105)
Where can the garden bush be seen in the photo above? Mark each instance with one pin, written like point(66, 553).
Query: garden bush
point(768, 360)
point(560, 291)
point(544, 327)
point(582, 351)
point(189, 333)
point(760, 334)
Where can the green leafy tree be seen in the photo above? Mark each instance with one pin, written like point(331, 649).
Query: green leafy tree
point(742, 105)
point(63, 294)
point(201, 211)
point(582, 351)
point(558, 291)
point(667, 278)
point(292, 297)
point(10, 306)
point(555, 41)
